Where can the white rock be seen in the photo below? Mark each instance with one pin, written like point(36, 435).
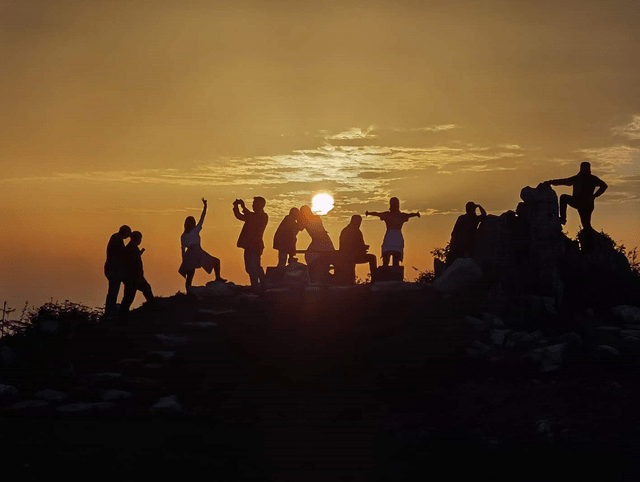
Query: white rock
point(212, 290)
point(173, 341)
point(552, 357)
point(463, 273)
point(607, 350)
point(114, 395)
point(634, 333)
point(628, 314)
point(49, 395)
point(167, 405)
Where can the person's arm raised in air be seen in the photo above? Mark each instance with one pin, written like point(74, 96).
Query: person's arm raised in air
point(483, 213)
point(373, 213)
point(413, 215)
point(204, 212)
point(236, 209)
point(602, 187)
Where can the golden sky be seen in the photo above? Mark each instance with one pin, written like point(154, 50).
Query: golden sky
point(119, 112)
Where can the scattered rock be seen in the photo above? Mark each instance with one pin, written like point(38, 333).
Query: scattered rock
point(79, 407)
point(141, 383)
point(462, 274)
point(552, 357)
point(30, 404)
point(159, 355)
point(129, 362)
point(498, 337)
point(115, 395)
point(635, 333)
point(520, 340)
point(493, 319)
point(53, 396)
point(629, 315)
point(607, 330)
point(572, 340)
point(477, 349)
point(102, 406)
point(167, 406)
point(607, 351)
point(199, 325)
point(7, 392)
point(476, 324)
point(211, 290)
point(173, 341)
point(106, 376)
point(153, 366)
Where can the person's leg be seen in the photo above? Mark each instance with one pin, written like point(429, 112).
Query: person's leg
point(585, 218)
point(216, 269)
point(397, 257)
point(252, 265)
point(282, 258)
point(565, 200)
point(373, 262)
point(144, 286)
point(386, 257)
point(259, 268)
point(189, 280)
point(110, 307)
point(127, 298)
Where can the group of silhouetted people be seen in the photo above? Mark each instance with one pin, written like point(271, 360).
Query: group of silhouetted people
point(124, 262)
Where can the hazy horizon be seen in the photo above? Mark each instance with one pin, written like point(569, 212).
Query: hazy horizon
point(118, 113)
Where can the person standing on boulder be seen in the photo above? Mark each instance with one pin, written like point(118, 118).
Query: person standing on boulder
point(393, 243)
point(250, 238)
point(113, 268)
point(133, 275)
point(584, 184)
point(463, 236)
point(285, 239)
point(193, 256)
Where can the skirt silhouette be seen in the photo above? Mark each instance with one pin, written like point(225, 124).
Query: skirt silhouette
point(196, 257)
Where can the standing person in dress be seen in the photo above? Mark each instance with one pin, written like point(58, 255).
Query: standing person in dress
point(321, 250)
point(463, 236)
point(133, 275)
point(193, 256)
point(113, 268)
point(250, 238)
point(393, 243)
point(285, 239)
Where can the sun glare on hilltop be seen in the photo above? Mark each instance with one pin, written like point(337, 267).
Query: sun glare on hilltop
point(321, 203)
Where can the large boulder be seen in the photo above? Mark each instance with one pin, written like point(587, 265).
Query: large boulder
point(462, 274)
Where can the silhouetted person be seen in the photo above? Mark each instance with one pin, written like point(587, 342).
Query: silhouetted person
point(393, 243)
point(113, 268)
point(133, 274)
point(193, 256)
point(463, 236)
point(250, 238)
point(320, 253)
point(353, 250)
point(285, 238)
point(584, 184)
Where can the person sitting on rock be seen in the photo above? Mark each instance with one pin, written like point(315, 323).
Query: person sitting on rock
point(250, 238)
point(113, 268)
point(285, 239)
point(193, 256)
point(352, 248)
point(463, 236)
point(393, 243)
point(133, 275)
point(584, 184)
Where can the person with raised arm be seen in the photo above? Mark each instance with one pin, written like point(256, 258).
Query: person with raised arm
point(193, 256)
point(393, 243)
point(463, 236)
point(250, 238)
point(584, 184)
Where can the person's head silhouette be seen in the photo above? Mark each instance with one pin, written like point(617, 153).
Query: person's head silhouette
point(295, 212)
point(124, 231)
point(394, 204)
point(356, 220)
point(585, 167)
point(189, 224)
point(259, 203)
point(306, 213)
point(136, 238)
point(470, 207)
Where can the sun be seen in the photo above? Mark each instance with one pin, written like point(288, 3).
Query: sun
point(322, 203)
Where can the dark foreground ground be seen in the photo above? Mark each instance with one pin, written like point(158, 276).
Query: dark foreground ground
point(327, 385)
